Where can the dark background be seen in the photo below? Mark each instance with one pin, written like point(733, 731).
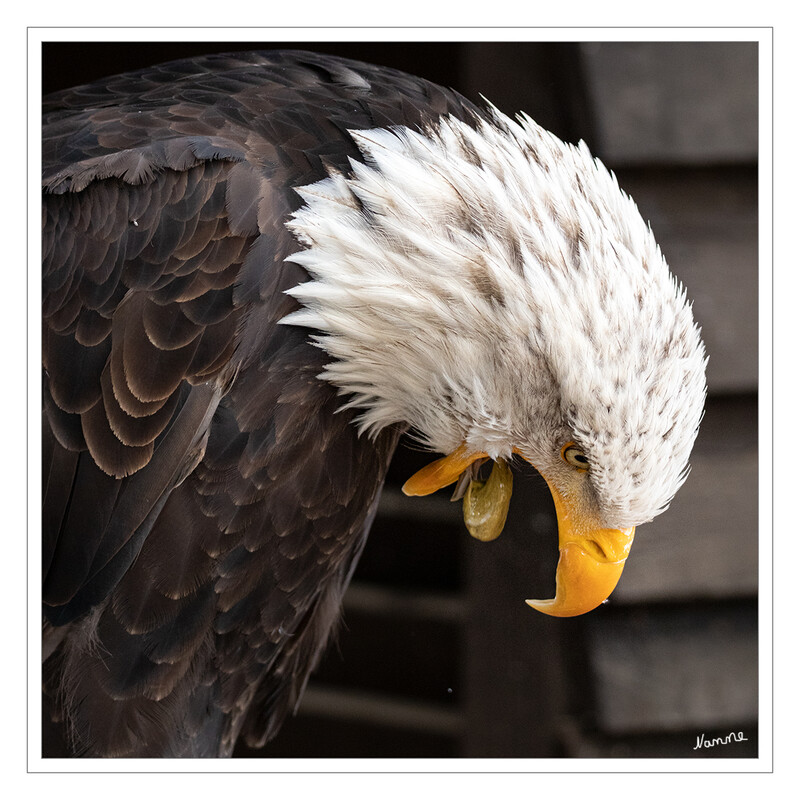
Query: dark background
point(438, 655)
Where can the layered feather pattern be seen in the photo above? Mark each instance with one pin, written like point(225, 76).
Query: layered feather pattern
point(204, 502)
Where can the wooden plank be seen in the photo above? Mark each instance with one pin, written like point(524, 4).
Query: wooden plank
point(547, 83)
point(379, 710)
point(375, 599)
point(414, 542)
point(433, 508)
point(706, 222)
point(683, 668)
point(674, 102)
point(514, 670)
point(354, 724)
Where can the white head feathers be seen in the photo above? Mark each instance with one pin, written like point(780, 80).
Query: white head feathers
point(493, 285)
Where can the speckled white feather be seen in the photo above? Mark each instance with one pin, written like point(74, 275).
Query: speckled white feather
point(493, 285)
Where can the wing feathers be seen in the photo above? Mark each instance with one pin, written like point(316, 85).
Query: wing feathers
point(109, 453)
point(73, 371)
point(135, 431)
point(152, 374)
point(196, 552)
point(92, 328)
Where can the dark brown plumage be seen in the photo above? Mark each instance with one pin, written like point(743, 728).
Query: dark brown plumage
point(204, 505)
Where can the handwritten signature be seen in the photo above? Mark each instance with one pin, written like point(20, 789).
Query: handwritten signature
point(731, 737)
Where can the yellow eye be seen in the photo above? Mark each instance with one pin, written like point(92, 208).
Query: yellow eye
point(574, 456)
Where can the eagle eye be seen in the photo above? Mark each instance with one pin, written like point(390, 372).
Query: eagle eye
point(574, 456)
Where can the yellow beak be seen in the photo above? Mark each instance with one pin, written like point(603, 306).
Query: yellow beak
point(441, 472)
point(591, 560)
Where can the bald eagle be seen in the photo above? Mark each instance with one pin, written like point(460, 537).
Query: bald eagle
point(259, 270)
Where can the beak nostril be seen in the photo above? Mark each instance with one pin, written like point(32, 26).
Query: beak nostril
point(594, 549)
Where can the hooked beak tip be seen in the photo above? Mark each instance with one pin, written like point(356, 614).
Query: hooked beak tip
point(582, 583)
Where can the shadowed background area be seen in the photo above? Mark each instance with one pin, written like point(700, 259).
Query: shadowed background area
point(438, 655)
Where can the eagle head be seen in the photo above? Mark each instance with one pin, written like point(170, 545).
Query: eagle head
point(492, 288)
